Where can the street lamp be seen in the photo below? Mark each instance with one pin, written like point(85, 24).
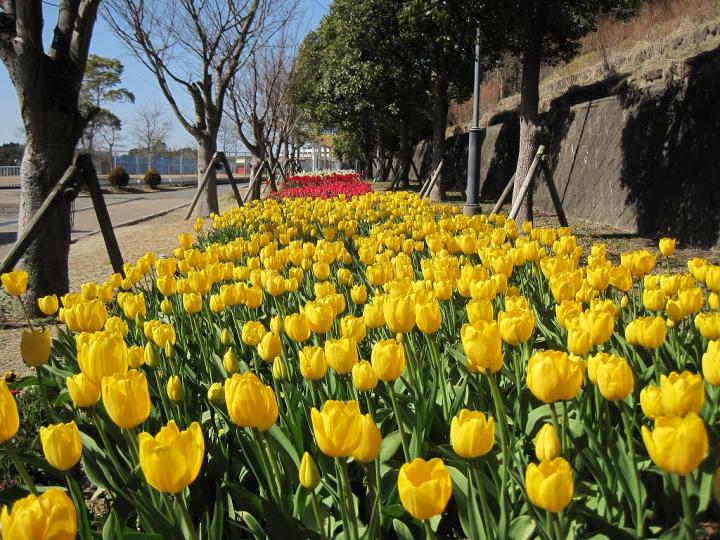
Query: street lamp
point(472, 205)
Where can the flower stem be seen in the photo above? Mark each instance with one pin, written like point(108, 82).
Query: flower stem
point(429, 534)
point(180, 498)
point(12, 454)
point(639, 511)
point(486, 515)
point(316, 511)
point(405, 448)
point(349, 499)
point(687, 511)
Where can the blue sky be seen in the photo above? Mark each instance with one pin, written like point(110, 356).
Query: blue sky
point(136, 78)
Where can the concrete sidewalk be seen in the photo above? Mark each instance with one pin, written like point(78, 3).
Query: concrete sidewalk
point(124, 208)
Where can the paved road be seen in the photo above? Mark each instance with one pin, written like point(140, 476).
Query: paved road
point(121, 206)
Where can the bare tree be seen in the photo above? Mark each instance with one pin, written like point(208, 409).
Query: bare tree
point(261, 111)
point(194, 46)
point(110, 133)
point(47, 86)
point(151, 130)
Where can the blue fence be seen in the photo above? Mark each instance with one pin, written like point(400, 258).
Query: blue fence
point(163, 165)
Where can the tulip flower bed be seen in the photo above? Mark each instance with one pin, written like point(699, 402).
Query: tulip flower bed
point(323, 185)
point(375, 367)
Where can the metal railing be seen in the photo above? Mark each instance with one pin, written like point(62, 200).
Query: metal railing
point(10, 170)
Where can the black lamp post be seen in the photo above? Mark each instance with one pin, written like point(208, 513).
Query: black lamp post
point(472, 205)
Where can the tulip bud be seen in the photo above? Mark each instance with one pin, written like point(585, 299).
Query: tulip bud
point(169, 350)
point(166, 307)
point(624, 301)
point(225, 337)
point(308, 474)
point(279, 371)
point(216, 394)
point(152, 358)
point(35, 347)
point(175, 389)
point(230, 361)
point(547, 443)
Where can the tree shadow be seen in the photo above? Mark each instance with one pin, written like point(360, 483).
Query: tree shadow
point(671, 160)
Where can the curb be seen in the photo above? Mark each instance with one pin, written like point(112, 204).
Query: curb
point(133, 221)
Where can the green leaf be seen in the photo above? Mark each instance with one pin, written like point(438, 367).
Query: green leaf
point(522, 528)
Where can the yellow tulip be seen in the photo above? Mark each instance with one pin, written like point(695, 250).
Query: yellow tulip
point(337, 428)
point(313, 364)
point(297, 327)
point(61, 445)
point(250, 403)
point(319, 316)
point(373, 315)
point(353, 327)
point(615, 378)
point(172, 459)
point(341, 354)
point(269, 347)
point(483, 346)
point(682, 393)
point(579, 340)
point(550, 485)
point(388, 359)
point(479, 311)
point(547, 443)
point(82, 392)
point(126, 398)
point(651, 402)
point(252, 333)
point(554, 376)
point(428, 316)
point(399, 314)
point(711, 363)
point(192, 302)
point(308, 473)
point(175, 389)
point(648, 332)
point(51, 515)
point(35, 347)
point(85, 316)
point(654, 300)
point(48, 304)
point(678, 444)
point(424, 487)
point(472, 434)
point(15, 283)
point(216, 394)
point(104, 354)
point(708, 324)
point(370, 440)
point(358, 294)
point(9, 417)
point(279, 370)
point(516, 326)
point(667, 246)
point(364, 376)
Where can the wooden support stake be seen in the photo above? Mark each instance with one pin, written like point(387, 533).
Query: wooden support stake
point(427, 188)
point(201, 185)
point(527, 183)
point(254, 179)
point(90, 179)
point(37, 222)
point(505, 194)
point(417, 173)
point(233, 185)
point(557, 203)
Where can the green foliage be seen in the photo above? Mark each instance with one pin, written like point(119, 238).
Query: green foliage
point(118, 177)
point(11, 153)
point(152, 178)
point(34, 413)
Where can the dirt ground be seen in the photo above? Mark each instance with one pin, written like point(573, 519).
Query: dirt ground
point(89, 262)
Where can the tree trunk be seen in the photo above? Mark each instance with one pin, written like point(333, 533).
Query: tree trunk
point(208, 203)
point(404, 157)
point(48, 154)
point(382, 157)
point(369, 164)
point(440, 112)
point(257, 160)
point(529, 102)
